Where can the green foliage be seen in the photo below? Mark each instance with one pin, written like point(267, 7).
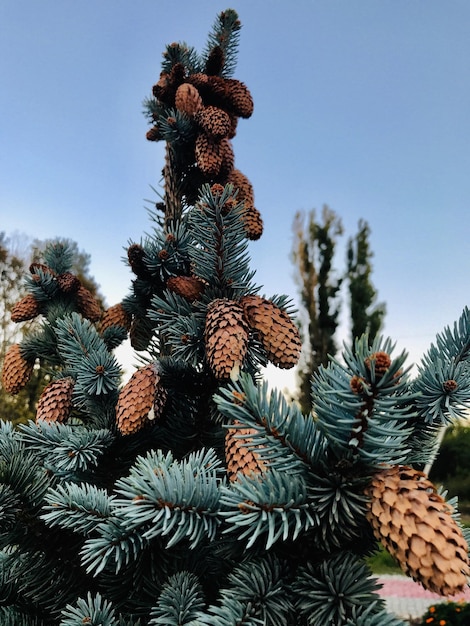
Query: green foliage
point(452, 464)
point(449, 613)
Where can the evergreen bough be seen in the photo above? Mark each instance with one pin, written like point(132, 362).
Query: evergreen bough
point(213, 500)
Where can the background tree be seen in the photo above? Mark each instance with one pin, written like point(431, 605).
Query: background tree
point(312, 253)
point(17, 253)
point(366, 316)
point(321, 286)
point(193, 495)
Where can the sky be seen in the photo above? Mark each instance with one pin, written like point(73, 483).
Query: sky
point(362, 105)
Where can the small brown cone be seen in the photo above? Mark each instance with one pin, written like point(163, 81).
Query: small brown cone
point(189, 287)
point(55, 402)
point(240, 458)
point(16, 370)
point(68, 282)
point(240, 98)
point(141, 400)
point(277, 332)
point(226, 337)
point(245, 188)
point(88, 305)
point(253, 223)
point(188, 99)
point(26, 309)
point(209, 154)
point(415, 524)
point(214, 122)
point(115, 316)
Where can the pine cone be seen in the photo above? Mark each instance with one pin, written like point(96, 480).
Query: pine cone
point(277, 332)
point(252, 223)
point(34, 268)
point(381, 362)
point(209, 155)
point(141, 400)
point(214, 121)
point(239, 97)
point(226, 337)
point(415, 524)
point(239, 457)
point(115, 316)
point(68, 282)
point(228, 158)
point(16, 370)
point(55, 402)
point(189, 287)
point(153, 134)
point(87, 305)
point(188, 99)
point(245, 188)
point(26, 309)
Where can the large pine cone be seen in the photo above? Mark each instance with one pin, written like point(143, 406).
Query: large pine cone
point(415, 524)
point(209, 154)
point(226, 337)
point(16, 370)
point(88, 305)
point(214, 122)
point(241, 101)
point(240, 458)
point(278, 334)
point(55, 402)
point(26, 309)
point(115, 316)
point(141, 400)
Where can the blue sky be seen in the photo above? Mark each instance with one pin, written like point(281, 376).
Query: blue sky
point(359, 104)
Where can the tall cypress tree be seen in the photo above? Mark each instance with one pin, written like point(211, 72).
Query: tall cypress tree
point(193, 495)
point(366, 314)
point(312, 254)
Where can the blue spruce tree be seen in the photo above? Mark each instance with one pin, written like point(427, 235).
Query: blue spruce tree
point(193, 495)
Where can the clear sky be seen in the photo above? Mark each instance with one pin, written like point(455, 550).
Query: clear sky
point(359, 104)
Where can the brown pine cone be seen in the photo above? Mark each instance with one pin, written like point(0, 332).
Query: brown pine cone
point(214, 122)
point(26, 309)
point(415, 524)
point(153, 134)
point(34, 268)
point(55, 402)
point(16, 370)
point(141, 400)
point(209, 155)
point(245, 188)
point(278, 334)
point(240, 458)
point(87, 304)
point(381, 361)
point(189, 287)
point(226, 337)
point(252, 223)
point(240, 98)
point(188, 99)
point(116, 316)
point(68, 282)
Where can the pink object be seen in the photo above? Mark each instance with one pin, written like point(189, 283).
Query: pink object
point(402, 587)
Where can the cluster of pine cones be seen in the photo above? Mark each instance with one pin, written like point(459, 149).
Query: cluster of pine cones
point(213, 105)
point(17, 368)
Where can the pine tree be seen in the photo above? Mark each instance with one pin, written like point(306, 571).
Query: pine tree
point(193, 495)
